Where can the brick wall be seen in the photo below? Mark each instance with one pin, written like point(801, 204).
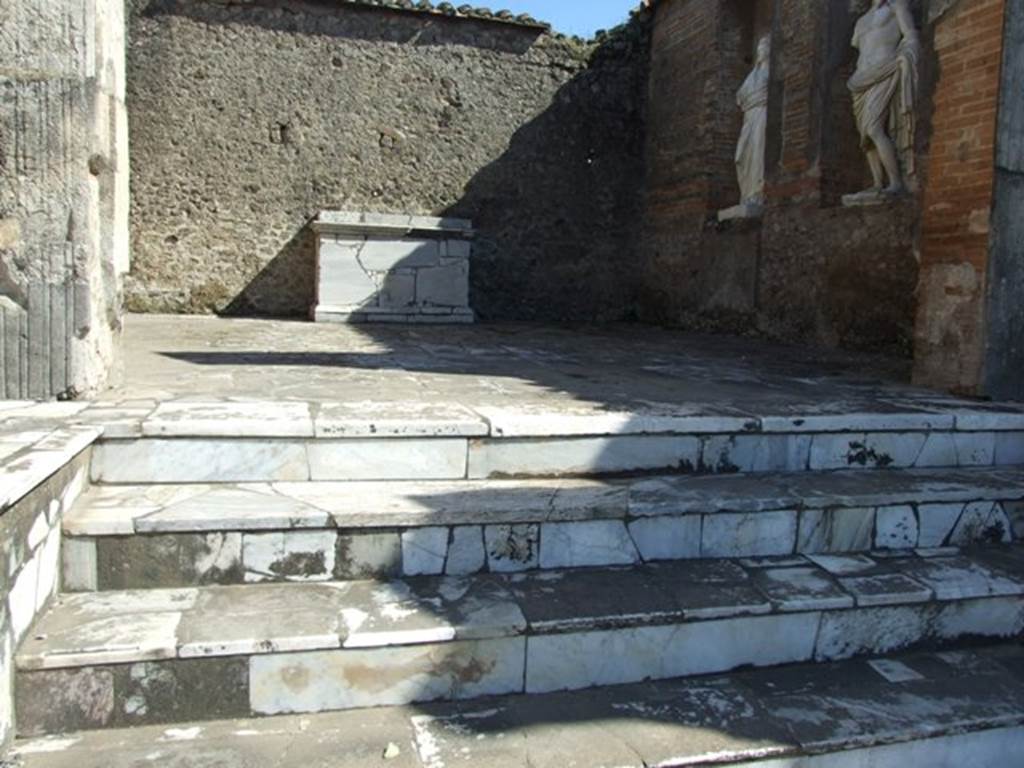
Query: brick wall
point(958, 198)
point(810, 271)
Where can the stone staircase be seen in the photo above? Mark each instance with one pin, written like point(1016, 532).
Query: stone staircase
point(276, 563)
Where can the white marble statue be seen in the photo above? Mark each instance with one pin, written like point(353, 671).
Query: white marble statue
point(752, 98)
point(884, 89)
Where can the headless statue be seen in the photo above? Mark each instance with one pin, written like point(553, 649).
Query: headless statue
point(884, 89)
point(752, 98)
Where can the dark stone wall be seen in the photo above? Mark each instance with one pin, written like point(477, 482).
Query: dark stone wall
point(247, 119)
point(810, 271)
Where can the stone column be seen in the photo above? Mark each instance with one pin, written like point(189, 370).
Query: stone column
point(63, 195)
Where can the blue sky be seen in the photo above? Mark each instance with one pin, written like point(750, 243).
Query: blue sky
point(573, 17)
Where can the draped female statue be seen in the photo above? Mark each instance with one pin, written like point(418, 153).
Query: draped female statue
point(884, 89)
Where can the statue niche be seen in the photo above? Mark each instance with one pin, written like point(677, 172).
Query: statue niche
point(752, 98)
point(884, 89)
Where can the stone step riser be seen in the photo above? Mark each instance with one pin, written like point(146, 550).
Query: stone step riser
point(171, 690)
point(228, 459)
point(174, 558)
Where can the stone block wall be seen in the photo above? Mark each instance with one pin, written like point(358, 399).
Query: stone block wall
point(63, 195)
point(248, 118)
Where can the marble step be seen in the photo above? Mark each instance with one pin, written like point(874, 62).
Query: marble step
point(114, 659)
point(263, 447)
point(937, 709)
point(136, 537)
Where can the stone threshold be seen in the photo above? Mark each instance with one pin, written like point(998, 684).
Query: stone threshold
point(577, 628)
point(953, 708)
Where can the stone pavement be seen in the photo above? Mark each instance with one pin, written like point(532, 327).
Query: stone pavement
point(963, 708)
point(620, 367)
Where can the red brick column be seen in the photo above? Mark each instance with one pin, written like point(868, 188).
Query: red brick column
point(958, 197)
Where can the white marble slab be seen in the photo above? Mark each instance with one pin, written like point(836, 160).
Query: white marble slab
point(466, 553)
point(512, 548)
point(581, 456)
point(350, 679)
point(667, 538)
point(896, 528)
point(388, 459)
point(199, 460)
point(858, 421)
point(106, 640)
point(749, 535)
point(757, 453)
point(588, 543)
point(1009, 449)
point(229, 419)
point(613, 657)
point(936, 523)
point(847, 529)
point(424, 551)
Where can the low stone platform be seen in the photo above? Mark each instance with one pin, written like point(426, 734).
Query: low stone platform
point(941, 710)
point(112, 658)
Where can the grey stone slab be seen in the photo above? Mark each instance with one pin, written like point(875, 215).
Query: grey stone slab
point(846, 565)
point(896, 528)
point(667, 538)
point(801, 589)
point(847, 529)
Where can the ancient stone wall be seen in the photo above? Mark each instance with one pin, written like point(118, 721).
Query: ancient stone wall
point(248, 118)
point(63, 195)
point(809, 270)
